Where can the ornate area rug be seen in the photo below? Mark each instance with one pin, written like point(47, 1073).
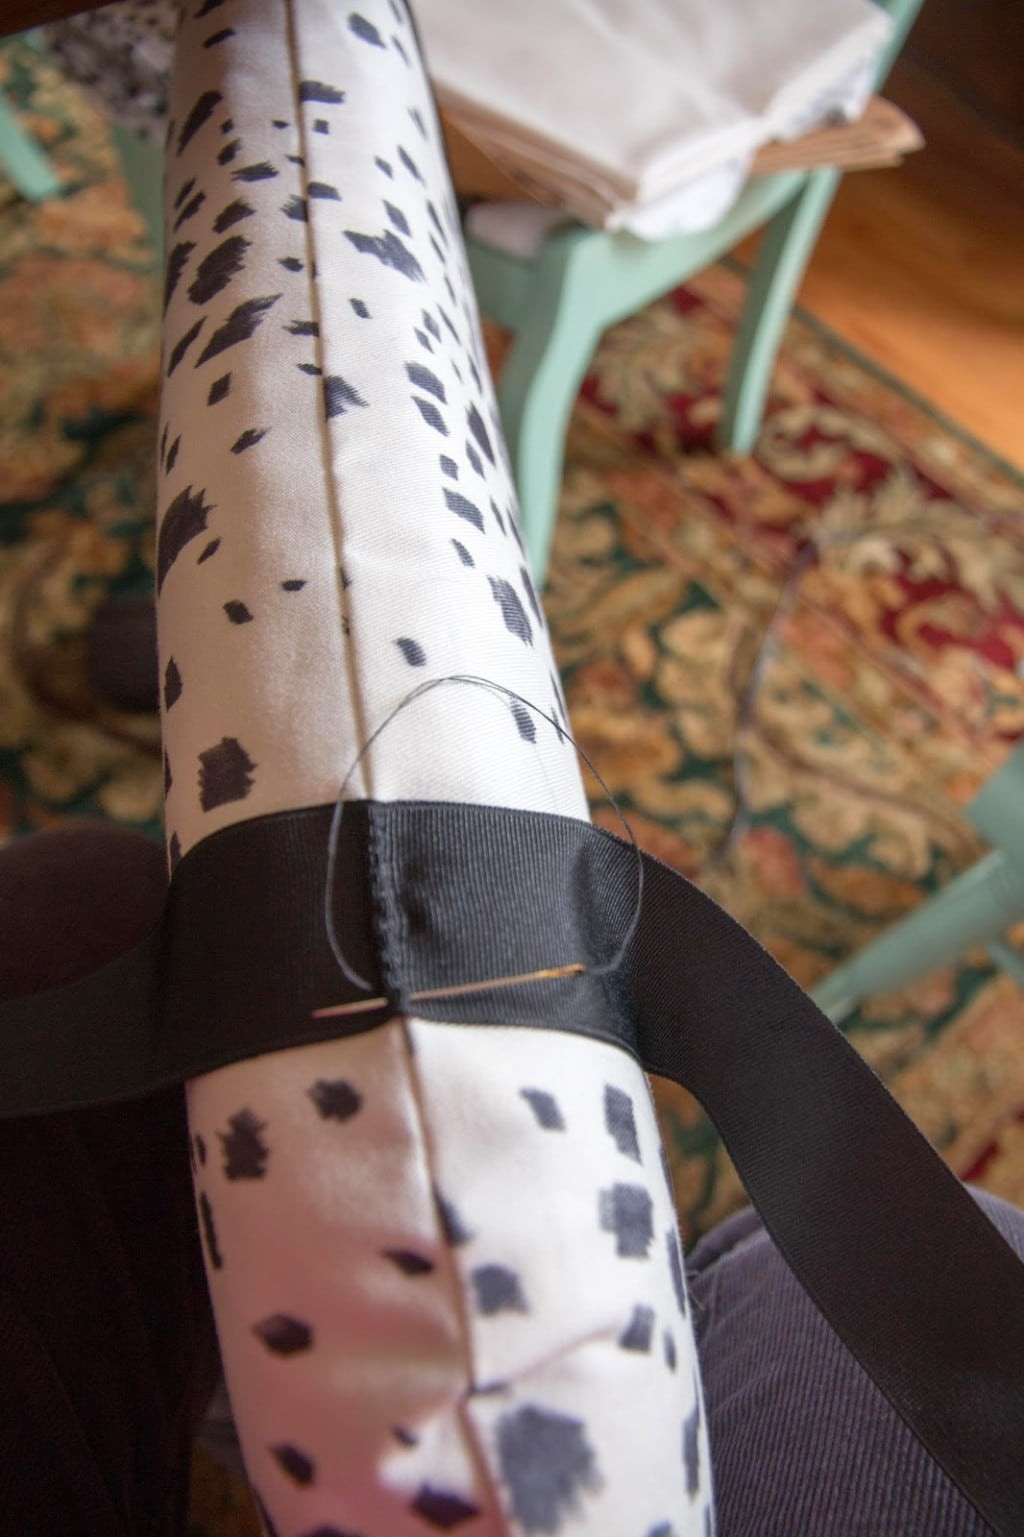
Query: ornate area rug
point(792, 669)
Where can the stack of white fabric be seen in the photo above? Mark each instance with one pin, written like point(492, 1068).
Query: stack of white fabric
point(646, 117)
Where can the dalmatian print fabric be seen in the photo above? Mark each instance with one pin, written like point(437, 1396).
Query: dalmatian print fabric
point(444, 1260)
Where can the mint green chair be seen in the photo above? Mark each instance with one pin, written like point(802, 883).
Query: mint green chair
point(579, 281)
point(974, 909)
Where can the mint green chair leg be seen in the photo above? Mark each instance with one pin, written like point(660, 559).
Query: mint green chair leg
point(26, 165)
point(539, 382)
point(142, 166)
point(785, 250)
point(974, 909)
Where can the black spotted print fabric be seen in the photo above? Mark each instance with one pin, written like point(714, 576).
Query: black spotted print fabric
point(443, 1259)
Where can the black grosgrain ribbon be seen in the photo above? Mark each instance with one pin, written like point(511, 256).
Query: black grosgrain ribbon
point(908, 1271)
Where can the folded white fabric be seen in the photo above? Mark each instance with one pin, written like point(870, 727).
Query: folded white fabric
point(443, 1257)
point(646, 117)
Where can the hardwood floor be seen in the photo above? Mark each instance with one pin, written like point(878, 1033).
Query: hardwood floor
point(922, 267)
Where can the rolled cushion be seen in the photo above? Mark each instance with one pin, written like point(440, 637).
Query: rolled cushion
point(443, 1258)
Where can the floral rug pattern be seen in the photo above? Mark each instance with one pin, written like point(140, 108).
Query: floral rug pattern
point(793, 670)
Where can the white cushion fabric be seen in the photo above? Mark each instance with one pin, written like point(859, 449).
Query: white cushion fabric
point(443, 1258)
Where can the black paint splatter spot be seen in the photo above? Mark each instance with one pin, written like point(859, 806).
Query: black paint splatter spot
point(215, 271)
point(183, 521)
point(293, 584)
point(228, 153)
point(546, 1464)
point(218, 37)
point(691, 1450)
point(262, 170)
point(292, 263)
point(412, 651)
point(545, 1108)
point(237, 611)
point(317, 90)
point(210, 549)
point(382, 165)
point(339, 396)
point(190, 210)
point(184, 191)
point(177, 261)
point(626, 1211)
point(389, 250)
point(295, 208)
point(172, 455)
point(452, 1226)
point(436, 222)
point(670, 1350)
point(397, 218)
point(618, 1118)
point(531, 593)
point(234, 213)
point(225, 774)
point(495, 514)
point(283, 1335)
point(449, 467)
point(359, 308)
point(463, 553)
point(365, 29)
point(324, 191)
point(214, 1257)
point(245, 1152)
point(310, 368)
point(172, 683)
point(675, 1266)
point(524, 721)
point(512, 611)
point(205, 9)
point(300, 1468)
point(241, 324)
point(442, 1511)
point(248, 438)
point(302, 328)
point(335, 1099)
point(638, 1332)
point(410, 164)
point(432, 325)
point(219, 389)
point(478, 431)
point(180, 348)
point(321, 125)
point(464, 508)
point(200, 113)
point(425, 379)
point(476, 464)
point(497, 1290)
point(409, 1263)
point(431, 415)
point(168, 777)
point(404, 1437)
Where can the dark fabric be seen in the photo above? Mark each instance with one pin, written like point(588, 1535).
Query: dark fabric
point(910, 1274)
point(107, 1351)
point(802, 1442)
